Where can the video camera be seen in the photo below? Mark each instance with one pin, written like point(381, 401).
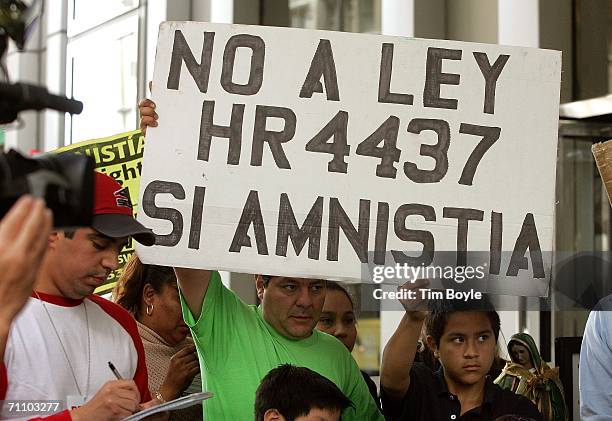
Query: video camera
point(64, 181)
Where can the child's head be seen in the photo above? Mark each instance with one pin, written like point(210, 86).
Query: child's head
point(463, 336)
point(289, 393)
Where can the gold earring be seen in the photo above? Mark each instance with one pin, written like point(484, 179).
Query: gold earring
point(149, 310)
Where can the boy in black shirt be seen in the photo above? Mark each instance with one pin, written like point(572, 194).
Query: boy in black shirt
point(463, 336)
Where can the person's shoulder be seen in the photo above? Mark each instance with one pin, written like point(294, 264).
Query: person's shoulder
point(121, 316)
point(219, 293)
point(330, 342)
point(114, 310)
point(519, 404)
point(605, 304)
point(600, 319)
point(421, 370)
point(331, 347)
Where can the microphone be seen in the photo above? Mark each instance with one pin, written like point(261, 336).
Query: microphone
point(22, 96)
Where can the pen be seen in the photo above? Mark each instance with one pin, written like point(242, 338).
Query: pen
point(114, 370)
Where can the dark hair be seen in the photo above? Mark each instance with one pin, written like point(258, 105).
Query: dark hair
point(294, 391)
point(69, 233)
point(128, 291)
point(440, 310)
point(335, 286)
point(266, 281)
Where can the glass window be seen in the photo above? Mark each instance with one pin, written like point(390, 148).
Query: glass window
point(336, 15)
point(86, 14)
point(102, 71)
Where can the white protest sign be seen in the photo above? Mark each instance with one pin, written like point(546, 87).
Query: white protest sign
point(310, 153)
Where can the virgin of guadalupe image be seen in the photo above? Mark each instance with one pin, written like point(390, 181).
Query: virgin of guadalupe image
point(528, 375)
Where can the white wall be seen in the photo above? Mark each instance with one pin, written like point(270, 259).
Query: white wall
point(397, 17)
point(519, 23)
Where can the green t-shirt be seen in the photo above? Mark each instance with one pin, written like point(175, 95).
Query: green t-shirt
point(237, 348)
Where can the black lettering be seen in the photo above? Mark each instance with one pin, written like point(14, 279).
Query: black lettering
point(490, 135)
point(182, 53)
point(495, 247)
point(129, 173)
point(357, 237)
point(197, 209)
point(322, 65)
point(288, 228)
point(338, 147)
point(491, 74)
point(233, 132)
point(258, 52)
point(434, 78)
point(275, 139)
point(438, 151)
point(384, 81)
point(251, 215)
point(150, 209)
point(527, 239)
point(382, 228)
point(424, 237)
point(388, 153)
point(463, 216)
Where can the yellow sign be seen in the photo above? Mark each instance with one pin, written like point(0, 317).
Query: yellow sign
point(119, 156)
point(367, 346)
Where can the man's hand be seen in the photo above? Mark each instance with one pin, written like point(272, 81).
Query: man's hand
point(416, 308)
point(183, 368)
point(148, 116)
point(24, 232)
point(116, 400)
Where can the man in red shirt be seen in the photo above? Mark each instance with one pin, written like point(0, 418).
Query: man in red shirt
point(82, 331)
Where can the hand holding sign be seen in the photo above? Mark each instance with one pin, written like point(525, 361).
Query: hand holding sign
point(414, 298)
point(148, 116)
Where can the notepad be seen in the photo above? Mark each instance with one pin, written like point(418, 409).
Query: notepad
point(180, 403)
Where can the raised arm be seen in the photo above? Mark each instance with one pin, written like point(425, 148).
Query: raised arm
point(401, 348)
point(193, 284)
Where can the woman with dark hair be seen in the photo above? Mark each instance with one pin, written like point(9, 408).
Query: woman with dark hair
point(150, 294)
point(338, 319)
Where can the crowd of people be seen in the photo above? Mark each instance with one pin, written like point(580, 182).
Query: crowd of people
point(173, 331)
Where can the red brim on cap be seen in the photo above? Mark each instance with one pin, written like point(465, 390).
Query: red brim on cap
point(117, 225)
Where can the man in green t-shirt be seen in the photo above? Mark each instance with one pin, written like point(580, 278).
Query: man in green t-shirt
point(239, 344)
